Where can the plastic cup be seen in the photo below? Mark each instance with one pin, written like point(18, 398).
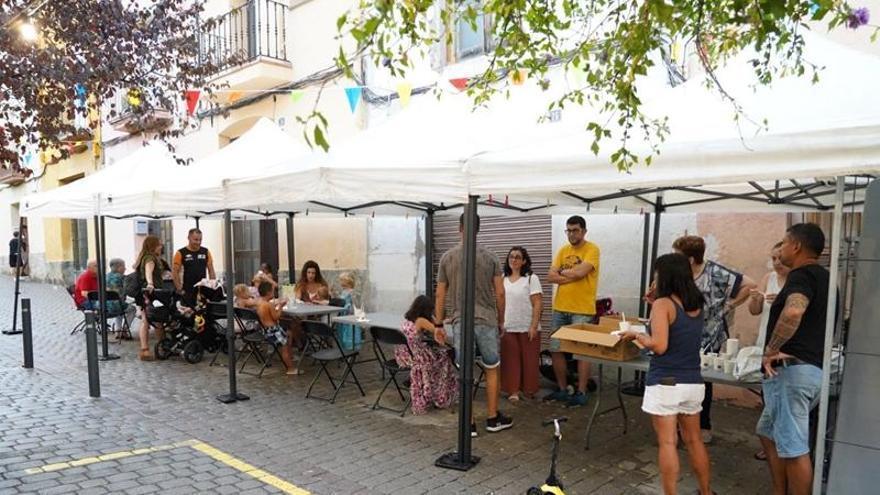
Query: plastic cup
point(729, 366)
point(718, 363)
point(733, 347)
point(624, 326)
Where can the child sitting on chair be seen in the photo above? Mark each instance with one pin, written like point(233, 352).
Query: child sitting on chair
point(269, 311)
point(243, 297)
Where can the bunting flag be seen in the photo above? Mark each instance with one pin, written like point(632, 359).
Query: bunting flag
point(192, 99)
point(134, 97)
point(576, 76)
point(404, 91)
point(460, 83)
point(296, 95)
point(80, 120)
point(234, 96)
point(518, 77)
point(354, 96)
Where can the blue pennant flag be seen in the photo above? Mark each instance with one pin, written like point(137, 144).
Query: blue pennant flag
point(354, 96)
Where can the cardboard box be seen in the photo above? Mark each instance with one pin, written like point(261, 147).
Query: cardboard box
point(595, 341)
point(614, 321)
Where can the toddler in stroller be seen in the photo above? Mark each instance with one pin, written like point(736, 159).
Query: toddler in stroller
point(189, 331)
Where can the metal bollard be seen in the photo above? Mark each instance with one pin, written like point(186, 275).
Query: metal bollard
point(92, 355)
point(27, 337)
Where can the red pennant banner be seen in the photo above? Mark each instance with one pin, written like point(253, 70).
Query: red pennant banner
point(460, 83)
point(192, 99)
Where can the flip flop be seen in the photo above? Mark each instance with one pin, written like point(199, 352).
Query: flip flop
point(760, 455)
point(295, 372)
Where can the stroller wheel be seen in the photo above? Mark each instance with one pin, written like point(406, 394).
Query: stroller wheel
point(193, 352)
point(162, 349)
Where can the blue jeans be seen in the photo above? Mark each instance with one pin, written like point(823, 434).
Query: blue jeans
point(485, 340)
point(788, 398)
point(561, 319)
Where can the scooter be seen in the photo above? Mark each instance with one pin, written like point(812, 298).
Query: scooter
point(552, 486)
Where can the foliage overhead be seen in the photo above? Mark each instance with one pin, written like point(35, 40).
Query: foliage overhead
point(612, 43)
point(86, 51)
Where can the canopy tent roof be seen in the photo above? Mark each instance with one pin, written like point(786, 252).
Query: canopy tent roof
point(435, 153)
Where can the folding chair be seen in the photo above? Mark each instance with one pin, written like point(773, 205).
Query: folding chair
point(215, 313)
point(81, 326)
point(334, 353)
point(253, 339)
point(110, 296)
point(391, 337)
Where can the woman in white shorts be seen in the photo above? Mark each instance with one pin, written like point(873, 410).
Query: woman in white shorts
point(675, 390)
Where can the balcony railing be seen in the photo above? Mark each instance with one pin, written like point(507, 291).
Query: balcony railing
point(255, 29)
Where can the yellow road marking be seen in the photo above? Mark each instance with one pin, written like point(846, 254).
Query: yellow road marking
point(217, 455)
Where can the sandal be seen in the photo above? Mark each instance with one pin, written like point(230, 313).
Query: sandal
point(295, 372)
point(513, 398)
point(145, 355)
point(760, 455)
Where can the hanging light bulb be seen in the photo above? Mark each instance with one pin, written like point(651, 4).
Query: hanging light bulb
point(28, 30)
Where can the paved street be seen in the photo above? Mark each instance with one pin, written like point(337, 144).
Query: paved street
point(158, 428)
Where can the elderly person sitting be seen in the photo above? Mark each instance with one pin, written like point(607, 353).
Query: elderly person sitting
point(115, 281)
point(85, 283)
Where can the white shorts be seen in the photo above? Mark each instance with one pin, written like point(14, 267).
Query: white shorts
point(669, 400)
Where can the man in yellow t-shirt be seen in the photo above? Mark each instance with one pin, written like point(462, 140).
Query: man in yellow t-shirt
point(575, 270)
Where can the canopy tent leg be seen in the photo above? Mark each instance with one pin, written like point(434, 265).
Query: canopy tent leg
point(234, 395)
point(655, 246)
point(291, 251)
point(101, 258)
point(197, 221)
point(429, 254)
point(462, 460)
point(14, 330)
point(830, 325)
point(643, 283)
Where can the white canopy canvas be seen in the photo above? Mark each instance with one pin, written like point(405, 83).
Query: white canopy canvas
point(820, 130)
point(126, 187)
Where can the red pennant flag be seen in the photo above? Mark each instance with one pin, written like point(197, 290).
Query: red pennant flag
point(192, 99)
point(460, 83)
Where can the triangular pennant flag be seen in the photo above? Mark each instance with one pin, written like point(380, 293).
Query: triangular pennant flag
point(296, 95)
point(404, 91)
point(518, 77)
point(460, 83)
point(233, 96)
point(134, 97)
point(192, 99)
point(354, 96)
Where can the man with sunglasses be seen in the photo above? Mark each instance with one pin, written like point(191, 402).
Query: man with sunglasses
point(575, 271)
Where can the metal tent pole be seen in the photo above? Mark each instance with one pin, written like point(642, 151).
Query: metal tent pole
point(14, 330)
point(102, 290)
point(658, 210)
point(429, 254)
point(233, 395)
point(291, 251)
point(643, 283)
point(462, 460)
point(830, 324)
point(197, 222)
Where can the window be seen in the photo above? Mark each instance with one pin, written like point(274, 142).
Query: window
point(468, 41)
point(79, 230)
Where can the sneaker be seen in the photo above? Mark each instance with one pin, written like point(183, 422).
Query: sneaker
point(576, 400)
point(474, 433)
point(513, 398)
point(498, 423)
point(706, 436)
point(559, 396)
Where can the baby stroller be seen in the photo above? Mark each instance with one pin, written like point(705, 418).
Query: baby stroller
point(189, 332)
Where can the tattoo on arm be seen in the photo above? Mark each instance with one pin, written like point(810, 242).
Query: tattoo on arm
point(789, 320)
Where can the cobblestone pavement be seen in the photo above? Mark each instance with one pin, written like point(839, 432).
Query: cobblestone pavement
point(158, 428)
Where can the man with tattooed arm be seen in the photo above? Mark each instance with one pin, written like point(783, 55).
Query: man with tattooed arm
point(793, 360)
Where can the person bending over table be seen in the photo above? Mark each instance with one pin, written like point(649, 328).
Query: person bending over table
point(433, 377)
point(675, 389)
point(311, 287)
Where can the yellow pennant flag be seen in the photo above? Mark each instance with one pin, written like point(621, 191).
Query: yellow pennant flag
point(296, 95)
point(404, 91)
point(518, 77)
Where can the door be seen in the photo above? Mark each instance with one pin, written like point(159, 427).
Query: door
point(163, 230)
point(254, 242)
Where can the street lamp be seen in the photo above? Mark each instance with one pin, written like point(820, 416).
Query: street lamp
point(28, 30)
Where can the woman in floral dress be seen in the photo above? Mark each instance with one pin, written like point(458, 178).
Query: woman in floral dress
point(433, 379)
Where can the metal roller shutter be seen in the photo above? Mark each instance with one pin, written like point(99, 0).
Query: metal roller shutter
point(499, 234)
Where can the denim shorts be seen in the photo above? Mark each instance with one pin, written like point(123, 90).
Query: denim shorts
point(485, 340)
point(561, 319)
point(788, 399)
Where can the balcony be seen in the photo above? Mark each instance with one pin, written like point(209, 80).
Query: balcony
point(249, 46)
point(10, 177)
point(127, 120)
